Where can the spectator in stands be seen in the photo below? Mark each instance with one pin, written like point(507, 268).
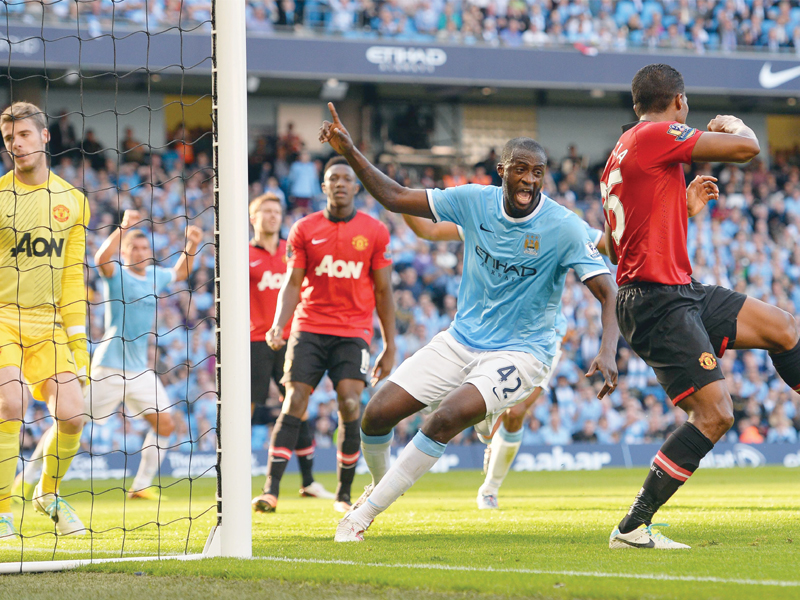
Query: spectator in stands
point(62, 137)
point(303, 182)
point(554, 433)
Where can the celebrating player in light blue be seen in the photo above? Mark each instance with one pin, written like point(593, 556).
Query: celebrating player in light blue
point(505, 442)
point(120, 373)
point(519, 246)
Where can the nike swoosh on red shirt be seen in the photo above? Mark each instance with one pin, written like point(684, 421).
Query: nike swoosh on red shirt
point(315, 242)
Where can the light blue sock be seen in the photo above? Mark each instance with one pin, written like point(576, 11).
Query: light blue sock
point(414, 461)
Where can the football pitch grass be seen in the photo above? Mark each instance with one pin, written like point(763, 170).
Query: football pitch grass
point(548, 540)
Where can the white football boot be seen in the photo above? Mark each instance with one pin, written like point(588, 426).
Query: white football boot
point(644, 537)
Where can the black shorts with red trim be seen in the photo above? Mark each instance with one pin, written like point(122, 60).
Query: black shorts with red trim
point(679, 330)
point(310, 355)
point(266, 365)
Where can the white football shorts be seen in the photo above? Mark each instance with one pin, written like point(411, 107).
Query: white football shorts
point(137, 392)
point(504, 378)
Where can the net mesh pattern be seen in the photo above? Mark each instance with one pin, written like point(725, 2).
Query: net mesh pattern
point(124, 87)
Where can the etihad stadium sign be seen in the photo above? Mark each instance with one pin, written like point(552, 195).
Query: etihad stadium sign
point(398, 59)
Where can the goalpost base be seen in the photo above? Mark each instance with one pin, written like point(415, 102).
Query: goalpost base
point(213, 547)
point(44, 566)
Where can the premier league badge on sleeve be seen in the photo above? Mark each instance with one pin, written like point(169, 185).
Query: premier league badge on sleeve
point(592, 250)
point(681, 132)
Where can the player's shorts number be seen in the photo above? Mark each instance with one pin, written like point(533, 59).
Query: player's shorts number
point(505, 373)
point(612, 204)
point(364, 361)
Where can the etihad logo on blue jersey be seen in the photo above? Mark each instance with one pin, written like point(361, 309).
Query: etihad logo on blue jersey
point(505, 269)
point(681, 132)
point(532, 244)
point(38, 247)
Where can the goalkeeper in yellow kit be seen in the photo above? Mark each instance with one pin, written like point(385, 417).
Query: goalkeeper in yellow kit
point(43, 342)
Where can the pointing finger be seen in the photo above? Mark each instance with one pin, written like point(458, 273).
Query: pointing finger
point(335, 115)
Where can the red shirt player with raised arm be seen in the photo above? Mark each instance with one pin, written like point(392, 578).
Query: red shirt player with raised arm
point(339, 275)
point(678, 326)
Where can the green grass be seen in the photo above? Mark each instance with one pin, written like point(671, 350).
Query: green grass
point(742, 525)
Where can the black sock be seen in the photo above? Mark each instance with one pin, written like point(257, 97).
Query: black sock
point(678, 458)
point(347, 452)
point(787, 364)
point(305, 453)
point(281, 446)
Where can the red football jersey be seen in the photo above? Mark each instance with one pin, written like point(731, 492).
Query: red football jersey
point(644, 201)
point(267, 272)
point(339, 257)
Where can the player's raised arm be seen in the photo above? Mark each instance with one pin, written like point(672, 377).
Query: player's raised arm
point(728, 140)
point(605, 290)
point(701, 190)
point(434, 232)
point(389, 193)
point(109, 253)
point(183, 268)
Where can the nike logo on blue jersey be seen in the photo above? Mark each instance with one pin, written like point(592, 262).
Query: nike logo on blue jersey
point(484, 229)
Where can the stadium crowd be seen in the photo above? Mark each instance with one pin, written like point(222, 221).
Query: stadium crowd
point(745, 240)
point(695, 25)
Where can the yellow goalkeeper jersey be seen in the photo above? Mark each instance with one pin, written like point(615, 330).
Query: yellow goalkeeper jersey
point(42, 256)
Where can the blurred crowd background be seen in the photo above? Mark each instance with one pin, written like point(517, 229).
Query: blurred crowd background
point(746, 241)
point(694, 25)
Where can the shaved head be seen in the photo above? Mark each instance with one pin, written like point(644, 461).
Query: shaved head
point(521, 143)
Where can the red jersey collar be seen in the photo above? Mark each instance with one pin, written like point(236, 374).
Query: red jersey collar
point(255, 245)
point(333, 219)
point(629, 126)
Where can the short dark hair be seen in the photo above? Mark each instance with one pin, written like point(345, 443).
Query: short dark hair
point(525, 143)
point(336, 160)
point(654, 87)
point(132, 235)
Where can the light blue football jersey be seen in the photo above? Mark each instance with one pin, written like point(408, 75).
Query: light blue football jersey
point(130, 317)
point(514, 268)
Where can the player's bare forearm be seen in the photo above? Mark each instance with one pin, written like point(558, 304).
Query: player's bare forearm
point(605, 290)
point(111, 248)
point(107, 252)
point(389, 193)
point(728, 140)
point(384, 305)
point(611, 252)
point(185, 264)
point(434, 232)
point(288, 298)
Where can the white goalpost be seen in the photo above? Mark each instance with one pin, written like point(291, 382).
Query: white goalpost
point(234, 526)
point(230, 534)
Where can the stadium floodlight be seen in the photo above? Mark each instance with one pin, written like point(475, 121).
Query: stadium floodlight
point(165, 180)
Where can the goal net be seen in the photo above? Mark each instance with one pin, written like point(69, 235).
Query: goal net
point(115, 175)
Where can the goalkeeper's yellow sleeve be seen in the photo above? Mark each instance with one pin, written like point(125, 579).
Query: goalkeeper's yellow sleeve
point(73, 293)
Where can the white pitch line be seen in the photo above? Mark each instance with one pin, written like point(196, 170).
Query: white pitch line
point(647, 576)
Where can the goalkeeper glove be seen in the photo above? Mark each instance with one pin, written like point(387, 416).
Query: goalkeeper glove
point(80, 354)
